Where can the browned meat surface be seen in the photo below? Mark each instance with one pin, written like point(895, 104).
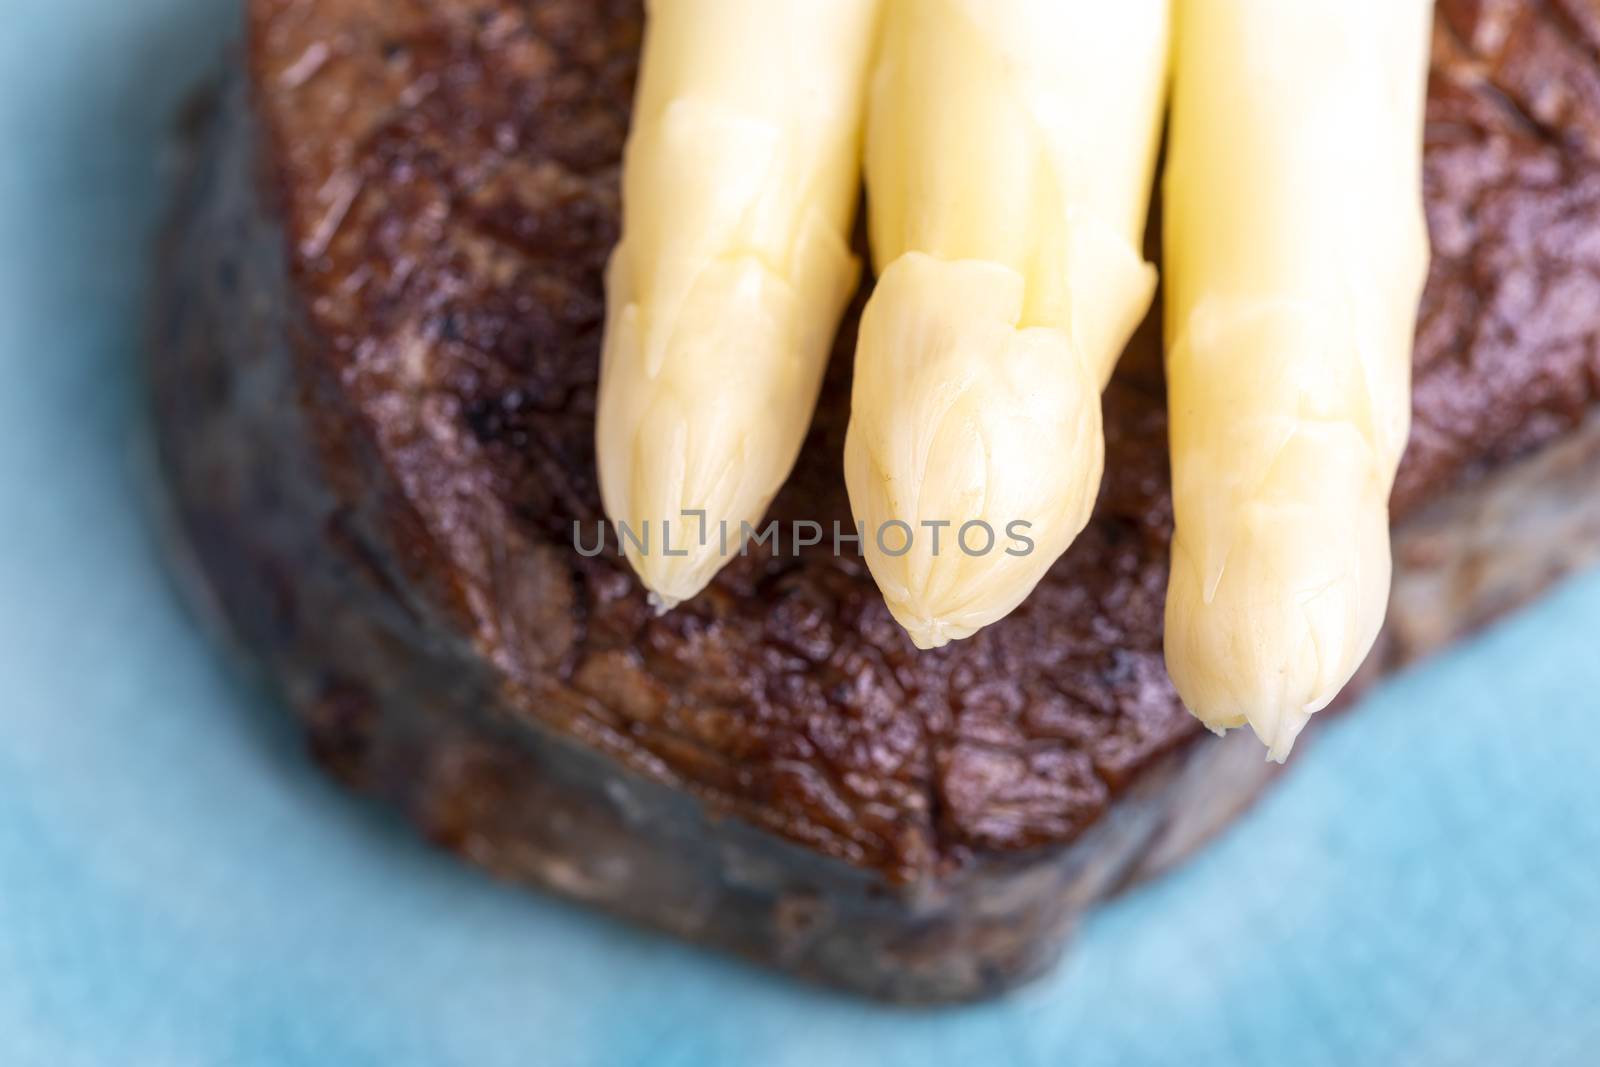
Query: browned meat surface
point(1507, 358)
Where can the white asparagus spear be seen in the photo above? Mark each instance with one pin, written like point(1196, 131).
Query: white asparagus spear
point(1010, 145)
point(1295, 255)
point(740, 182)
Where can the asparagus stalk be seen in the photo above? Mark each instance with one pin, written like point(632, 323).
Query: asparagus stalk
point(1010, 145)
point(740, 181)
point(1296, 251)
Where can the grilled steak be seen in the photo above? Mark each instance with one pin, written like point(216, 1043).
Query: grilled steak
point(375, 386)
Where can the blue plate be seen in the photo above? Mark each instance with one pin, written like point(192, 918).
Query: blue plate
point(177, 886)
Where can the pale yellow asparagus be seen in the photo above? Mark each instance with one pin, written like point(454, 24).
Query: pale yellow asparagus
point(740, 182)
point(1010, 145)
point(1295, 254)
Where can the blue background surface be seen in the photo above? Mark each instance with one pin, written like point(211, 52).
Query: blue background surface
point(177, 886)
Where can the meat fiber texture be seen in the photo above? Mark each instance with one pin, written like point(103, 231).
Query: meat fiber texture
point(375, 379)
